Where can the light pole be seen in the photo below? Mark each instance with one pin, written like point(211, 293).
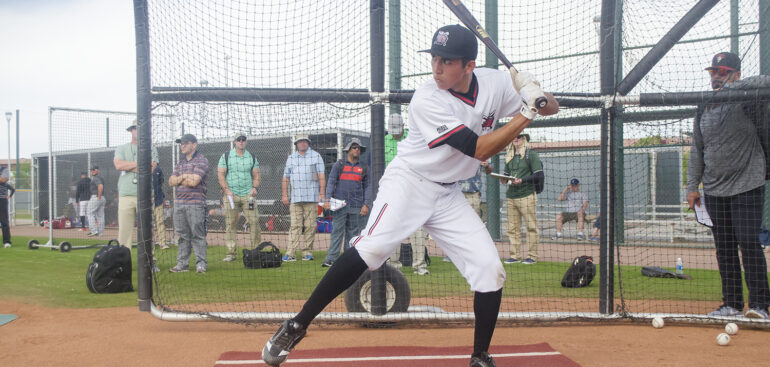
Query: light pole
point(204, 83)
point(8, 116)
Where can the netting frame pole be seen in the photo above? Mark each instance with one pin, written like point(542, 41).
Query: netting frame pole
point(143, 157)
point(607, 63)
point(619, 232)
point(377, 52)
point(764, 69)
point(493, 186)
point(394, 50)
point(50, 176)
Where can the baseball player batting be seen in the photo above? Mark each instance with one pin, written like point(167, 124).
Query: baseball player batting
point(451, 119)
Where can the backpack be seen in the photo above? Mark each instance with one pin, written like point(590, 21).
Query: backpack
point(405, 256)
point(266, 255)
point(110, 272)
point(539, 181)
point(580, 273)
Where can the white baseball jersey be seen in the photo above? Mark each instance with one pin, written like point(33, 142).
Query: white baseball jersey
point(436, 114)
point(418, 186)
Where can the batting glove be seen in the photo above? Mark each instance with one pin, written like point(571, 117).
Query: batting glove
point(529, 95)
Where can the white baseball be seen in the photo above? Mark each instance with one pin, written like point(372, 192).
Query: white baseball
point(723, 339)
point(658, 322)
point(731, 328)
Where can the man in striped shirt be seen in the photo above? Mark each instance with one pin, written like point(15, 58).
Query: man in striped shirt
point(189, 177)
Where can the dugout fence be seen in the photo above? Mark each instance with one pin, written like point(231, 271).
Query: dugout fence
point(621, 70)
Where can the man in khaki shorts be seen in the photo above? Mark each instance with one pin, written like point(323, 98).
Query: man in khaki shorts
point(577, 203)
point(238, 174)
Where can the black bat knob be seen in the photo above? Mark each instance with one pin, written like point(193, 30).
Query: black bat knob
point(541, 102)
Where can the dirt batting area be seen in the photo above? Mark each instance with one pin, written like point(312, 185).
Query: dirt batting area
point(128, 337)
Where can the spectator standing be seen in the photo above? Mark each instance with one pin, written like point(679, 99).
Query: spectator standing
point(304, 174)
point(125, 162)
point(348, 181)
point(577, 203)
point(521, 199)
point(5, 218)
point(189, 177)
point(82, 195)
point(727, 157)
point(96, 204)
point(159, 199)
point(238, 174)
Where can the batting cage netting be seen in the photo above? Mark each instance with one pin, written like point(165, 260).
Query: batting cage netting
point(299, 80)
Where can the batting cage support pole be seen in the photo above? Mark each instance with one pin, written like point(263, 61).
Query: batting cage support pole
point(664, 45)
point(144, 148)
point(493, 186)
point(377, 44)
point(607, 64)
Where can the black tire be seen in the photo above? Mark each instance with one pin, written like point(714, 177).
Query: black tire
point(358, 296)
point(65, 246)
point(32, 244)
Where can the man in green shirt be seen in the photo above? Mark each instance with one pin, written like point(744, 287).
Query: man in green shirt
point(525, 165)
point(396, 133)
point(238, 173)
point(125, 162)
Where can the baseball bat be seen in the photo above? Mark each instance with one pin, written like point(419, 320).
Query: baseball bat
point(465, 16)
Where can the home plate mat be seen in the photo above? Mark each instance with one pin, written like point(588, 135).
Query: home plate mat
point(519, 355)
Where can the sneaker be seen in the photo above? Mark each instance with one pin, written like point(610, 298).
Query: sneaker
point(229, 258)
point(326, 264)
point(422, 272)
point(557, 237)
point(529, 261)
point(756, 313)
point(511, 260)
point(177, 269)
point(446, 259)
point(289, 258)
point(7, 245)
point(308, 257)
point(91, 234)
point(594, 239)
point(165, 246)
point(285, 339)
point(482, 359)
point(581, 237)
point(200, 270)
point(725, 310)
point(155, 268)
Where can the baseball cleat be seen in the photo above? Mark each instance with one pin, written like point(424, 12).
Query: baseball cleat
point(278, 347)
point(482, 359)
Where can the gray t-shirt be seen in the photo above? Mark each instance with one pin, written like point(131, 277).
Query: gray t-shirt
point(575, 200)
point(4, 189)
point(726, 154)
point(95, 182)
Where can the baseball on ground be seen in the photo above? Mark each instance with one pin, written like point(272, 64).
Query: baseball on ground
point(657, 322)
point(723, 339)
point(731, 328)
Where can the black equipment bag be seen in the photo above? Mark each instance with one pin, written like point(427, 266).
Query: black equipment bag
point(266, 255)
point(110, 272)
point(580, 273)
point(405, 256)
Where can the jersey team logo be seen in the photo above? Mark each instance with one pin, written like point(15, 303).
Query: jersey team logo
point(441, 129)
point(489, 120)
point(441, 38)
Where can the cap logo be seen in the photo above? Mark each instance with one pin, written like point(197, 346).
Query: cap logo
point(441, 38)
point(719, 58)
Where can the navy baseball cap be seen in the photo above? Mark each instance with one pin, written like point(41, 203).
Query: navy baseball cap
point(454, 42)
point(574, 181)
point(725, 59)
point(187, 138)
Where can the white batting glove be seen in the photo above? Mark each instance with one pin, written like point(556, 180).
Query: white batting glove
point(529, 95)
point(520, 79)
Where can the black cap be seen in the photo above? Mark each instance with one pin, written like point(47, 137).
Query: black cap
point(94, 167)
point(725, 59)
point(454, 42)
point(187, 138)
point(84, 173)
point(574, 182)
point(525, 136)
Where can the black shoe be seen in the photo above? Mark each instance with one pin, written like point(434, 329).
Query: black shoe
point(482, 359)
point(326, 264)
point(278, 347)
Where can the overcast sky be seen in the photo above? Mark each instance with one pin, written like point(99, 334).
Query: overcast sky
point(63, 53)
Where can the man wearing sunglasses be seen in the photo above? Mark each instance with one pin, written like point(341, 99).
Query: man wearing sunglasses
point(728, 158)
point(238, 174)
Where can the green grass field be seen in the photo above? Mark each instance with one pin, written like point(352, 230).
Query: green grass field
point(57, 279)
